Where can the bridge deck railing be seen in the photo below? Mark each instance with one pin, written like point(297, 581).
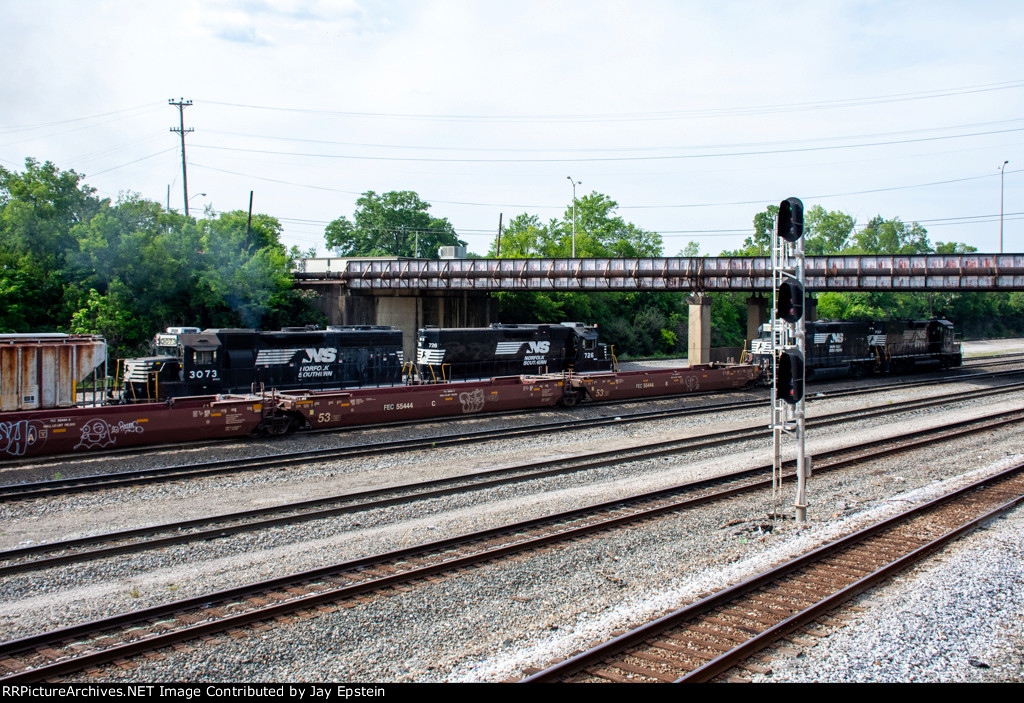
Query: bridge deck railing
point(931, 272)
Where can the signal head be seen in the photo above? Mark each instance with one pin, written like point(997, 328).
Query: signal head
point(790, 375)
point(791, 219)
point(790, 302)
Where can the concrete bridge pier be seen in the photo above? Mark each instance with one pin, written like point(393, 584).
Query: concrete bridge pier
point(757, 315)
point(699, 336)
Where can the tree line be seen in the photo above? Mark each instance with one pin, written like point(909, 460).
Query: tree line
point(656, 323)
point(74, 262)
point(71, 261)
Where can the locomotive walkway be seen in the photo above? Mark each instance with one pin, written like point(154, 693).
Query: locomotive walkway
point(955, 272)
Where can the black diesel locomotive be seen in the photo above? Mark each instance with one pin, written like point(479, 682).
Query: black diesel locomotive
point(508, 350)
point(837, 349)
point(187, 362)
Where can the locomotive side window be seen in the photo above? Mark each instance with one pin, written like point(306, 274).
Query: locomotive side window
point(204, 358)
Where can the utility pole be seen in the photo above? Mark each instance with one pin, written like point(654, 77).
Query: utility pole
point(1002, 169)
point(498, 252)
point(574, 184)
point(181, 105)
point(248, 223)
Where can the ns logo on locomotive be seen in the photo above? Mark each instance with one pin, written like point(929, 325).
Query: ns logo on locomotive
point(849, 348)
point(509, 350)
point(190, 362)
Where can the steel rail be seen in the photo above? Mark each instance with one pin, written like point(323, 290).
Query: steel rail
point(761, 640)
point(292, 602)
point(418, 491)
point(27, 491)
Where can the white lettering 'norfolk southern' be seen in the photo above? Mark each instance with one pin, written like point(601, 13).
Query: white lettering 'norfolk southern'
point(277, 357)
point(512, 348)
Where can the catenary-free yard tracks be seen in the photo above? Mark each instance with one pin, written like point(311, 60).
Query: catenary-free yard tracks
point(890, 475)
point(709, 637)
point(310, 597)
point(98, 546)
point(120, 478)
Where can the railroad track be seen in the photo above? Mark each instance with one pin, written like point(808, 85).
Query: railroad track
point(25, 491)
point(53, 554)
point(706, 639)
point(89, 644)
point(964, 373)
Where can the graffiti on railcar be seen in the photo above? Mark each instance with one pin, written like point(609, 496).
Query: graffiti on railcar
point(98, 433)
point(17, 437)
point(472, 402)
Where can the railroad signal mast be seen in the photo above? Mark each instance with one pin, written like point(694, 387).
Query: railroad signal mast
point(788, 347)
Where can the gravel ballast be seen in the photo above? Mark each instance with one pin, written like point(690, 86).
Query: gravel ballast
point(490, 623)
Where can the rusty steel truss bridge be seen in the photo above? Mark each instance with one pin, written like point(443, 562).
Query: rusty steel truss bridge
point(896, 273)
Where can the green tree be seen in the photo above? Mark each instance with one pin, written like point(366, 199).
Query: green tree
point(691, 250)
point(600, 232)
point(70, 261)
point(162, 269)
point(894, 236)
point(524, 238)
point(639, 323)
point(826, 232)
point(760, 242)
point(111, 315)
point(393, 224)
point(18, 291)
point(38, 209)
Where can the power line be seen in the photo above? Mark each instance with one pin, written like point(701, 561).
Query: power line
point(758, 201)
point(129, 163)
point(41, 125)
point(646, 116)
point(683, 147)
point(761, 152)
point(106, 151)
point(820, 196)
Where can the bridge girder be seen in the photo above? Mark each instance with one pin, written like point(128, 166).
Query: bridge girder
point(902, 273)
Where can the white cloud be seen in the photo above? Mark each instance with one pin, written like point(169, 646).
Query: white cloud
point(516, 62)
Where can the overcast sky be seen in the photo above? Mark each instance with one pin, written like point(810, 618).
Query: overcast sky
point(693, 116)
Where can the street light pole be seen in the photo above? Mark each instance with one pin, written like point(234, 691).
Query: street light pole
point(194, 196)
point(574, 184)
point(1002, 169)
